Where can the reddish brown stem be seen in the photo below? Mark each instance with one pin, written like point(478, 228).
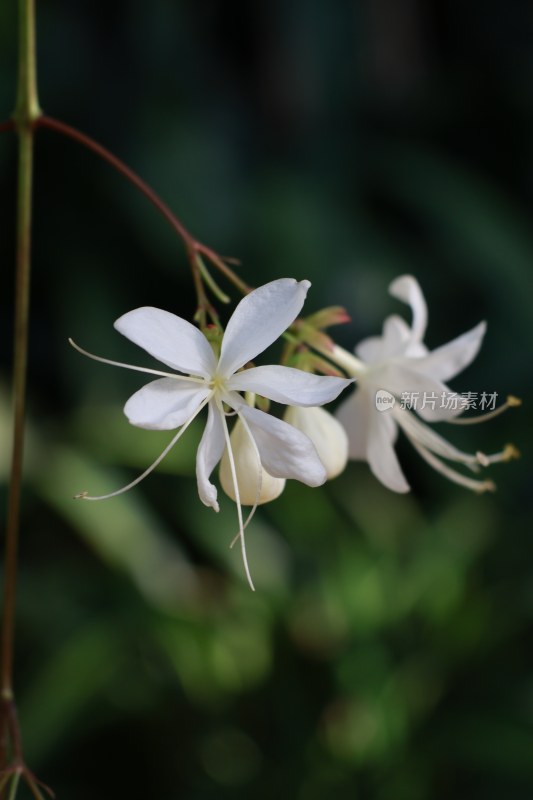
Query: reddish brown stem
point(120, 166)
point(192, 245)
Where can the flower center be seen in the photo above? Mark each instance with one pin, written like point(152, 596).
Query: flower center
point(217, 383)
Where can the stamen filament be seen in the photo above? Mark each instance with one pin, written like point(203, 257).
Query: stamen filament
point(452, 474)
point(159, 459)
point(259, 480)
point(511, 402)
point(14, 785)
point(237, 498)
point(418, 431)
point(507, 454)
point(133, 367)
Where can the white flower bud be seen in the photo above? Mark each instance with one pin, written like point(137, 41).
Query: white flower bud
point(255, 483)
point(325, 432)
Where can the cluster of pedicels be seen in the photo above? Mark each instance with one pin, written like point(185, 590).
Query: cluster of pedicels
point(214, 369)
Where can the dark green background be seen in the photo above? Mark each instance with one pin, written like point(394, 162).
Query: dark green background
point(387, 652)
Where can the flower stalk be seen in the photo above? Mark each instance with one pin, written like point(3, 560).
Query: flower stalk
point(194, 248)
point(26, 113)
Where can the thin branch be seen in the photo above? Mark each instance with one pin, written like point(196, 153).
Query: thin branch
point(192, 245)
point(120, 166)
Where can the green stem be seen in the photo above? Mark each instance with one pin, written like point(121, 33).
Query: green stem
point(26, 112)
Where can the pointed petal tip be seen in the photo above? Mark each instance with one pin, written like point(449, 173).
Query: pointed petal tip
point(118, 322)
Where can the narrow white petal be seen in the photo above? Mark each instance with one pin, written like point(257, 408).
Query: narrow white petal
point(259, 319)
point(381, 456)
point(170, 339)
point(285, 451)
point(353, 414)
point(407, 289)
point(209, 454)
point(287, 385)
point(164, 404)
point(448, 360)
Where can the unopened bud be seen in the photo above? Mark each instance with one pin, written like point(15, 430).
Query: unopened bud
point(326, 433)
point(255, 484)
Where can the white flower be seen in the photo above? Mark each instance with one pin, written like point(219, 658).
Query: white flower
point(326, 433)
point(173, 401)
point(398, 363)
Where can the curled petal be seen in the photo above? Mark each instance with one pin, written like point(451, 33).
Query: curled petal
point(259, 319)
point(287, 385)
point(448, 360)
point(170, 339)
point(285, 451)
point(209, 454)
point(164, 404)
point(407, 289)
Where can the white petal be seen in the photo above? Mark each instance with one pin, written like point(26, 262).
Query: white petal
point(170, 339)
point(396, 336)
point(287, 385)
point(260, 319)
point(353, 415)
point(381, 456)
point(209, 454)
point(164, 404)
point(285, 451)
point(326, 433)
point(407, 289)
point(428, 396)
point(448, 360)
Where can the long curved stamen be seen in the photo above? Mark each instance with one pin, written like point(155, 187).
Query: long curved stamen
point(259, 480)
point(237, 498)
point(452, 474)
point(417, 431)
point(511, 402)
point(159, 459)
point(133, 367)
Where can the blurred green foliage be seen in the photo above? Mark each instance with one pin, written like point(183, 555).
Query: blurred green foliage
point(387, 652)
